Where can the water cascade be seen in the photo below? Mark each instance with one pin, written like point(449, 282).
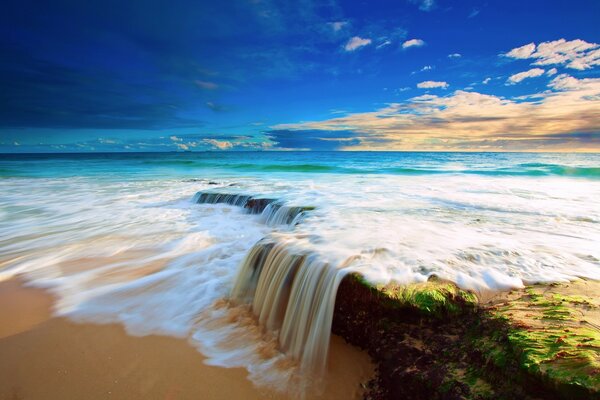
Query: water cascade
point(291, 290)
point(292, 293)
point(273, 212)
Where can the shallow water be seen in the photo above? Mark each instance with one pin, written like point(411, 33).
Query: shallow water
point(119, 238)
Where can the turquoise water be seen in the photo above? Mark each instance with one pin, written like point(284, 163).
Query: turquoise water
point(120, 238)
point(191, 164)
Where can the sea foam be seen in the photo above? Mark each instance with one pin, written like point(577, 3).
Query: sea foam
point(143, 253)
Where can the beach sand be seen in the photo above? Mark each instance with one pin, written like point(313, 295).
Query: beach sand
point(44, 357)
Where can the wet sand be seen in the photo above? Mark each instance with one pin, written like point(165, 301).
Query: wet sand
point(48, 358)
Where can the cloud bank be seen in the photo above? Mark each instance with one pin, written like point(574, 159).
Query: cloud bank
point(566, 116)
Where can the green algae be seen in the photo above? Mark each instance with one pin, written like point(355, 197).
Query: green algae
point(434, 298)
point(537, 340)
point(549, 341)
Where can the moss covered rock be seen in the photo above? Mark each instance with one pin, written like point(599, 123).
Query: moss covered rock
point(436, 341)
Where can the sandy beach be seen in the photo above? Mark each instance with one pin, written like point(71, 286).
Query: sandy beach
point(43, 357)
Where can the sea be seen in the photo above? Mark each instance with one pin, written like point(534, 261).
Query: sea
point(171, 243)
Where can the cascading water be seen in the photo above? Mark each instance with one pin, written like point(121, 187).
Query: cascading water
point(273, 212)
point(293, 295)
point(292, 292)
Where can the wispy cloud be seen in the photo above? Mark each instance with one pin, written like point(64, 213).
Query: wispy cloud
point(338, 25)
point(386, 42)
point(215, 107)
point(432, 85)
point(454, 55)
point(413, 43)
point(425, 68)
point(475, 12)
point(519, 77)
point(566, 116)
point(424, 5)
point(486, 81)
point(356, 42)
point(575, 54)
point(207, 85)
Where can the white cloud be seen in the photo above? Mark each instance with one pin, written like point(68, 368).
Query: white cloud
point(413, 43)
point(474, 13)
point(356, 42)
point(552, 72)
point(522, 52)
point(455, 55)
point(486, 81)
point(175, 138)
point(432, 85)
point(426, 68)
point(182, 146)
point(338, 25)
point(575, 54)
point(16, 143)
point(532, 73)
point(565, 82)
point(219, 144)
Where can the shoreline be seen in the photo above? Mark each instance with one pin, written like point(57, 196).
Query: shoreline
point(45, 357)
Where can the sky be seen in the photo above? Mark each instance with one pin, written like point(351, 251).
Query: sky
point(410, 75)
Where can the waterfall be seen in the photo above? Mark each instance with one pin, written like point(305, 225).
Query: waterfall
point(292, 293)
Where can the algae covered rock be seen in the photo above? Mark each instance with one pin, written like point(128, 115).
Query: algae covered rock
point(553, 332)
point(435, 341)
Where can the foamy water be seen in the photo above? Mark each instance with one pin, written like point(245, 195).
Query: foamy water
point(120, 239)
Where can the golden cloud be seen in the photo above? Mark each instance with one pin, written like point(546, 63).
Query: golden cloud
point(566, 117)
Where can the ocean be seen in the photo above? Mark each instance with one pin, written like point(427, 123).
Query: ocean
point(170, 243)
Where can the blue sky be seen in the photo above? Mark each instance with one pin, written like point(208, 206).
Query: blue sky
point(310, 75)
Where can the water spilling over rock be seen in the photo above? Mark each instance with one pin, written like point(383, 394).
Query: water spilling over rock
point(293, 294)
point(273, 212)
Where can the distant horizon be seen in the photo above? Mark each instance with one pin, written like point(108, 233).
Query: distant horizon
point(305, 151)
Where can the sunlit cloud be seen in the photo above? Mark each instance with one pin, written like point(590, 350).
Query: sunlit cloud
point(566, 116)
point(413, 43)
point(356, 42)
point(575, 54)
point(219, 144)
point(455, 55)
point(521, 76)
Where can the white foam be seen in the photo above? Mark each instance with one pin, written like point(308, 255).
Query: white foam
point(142, 254)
